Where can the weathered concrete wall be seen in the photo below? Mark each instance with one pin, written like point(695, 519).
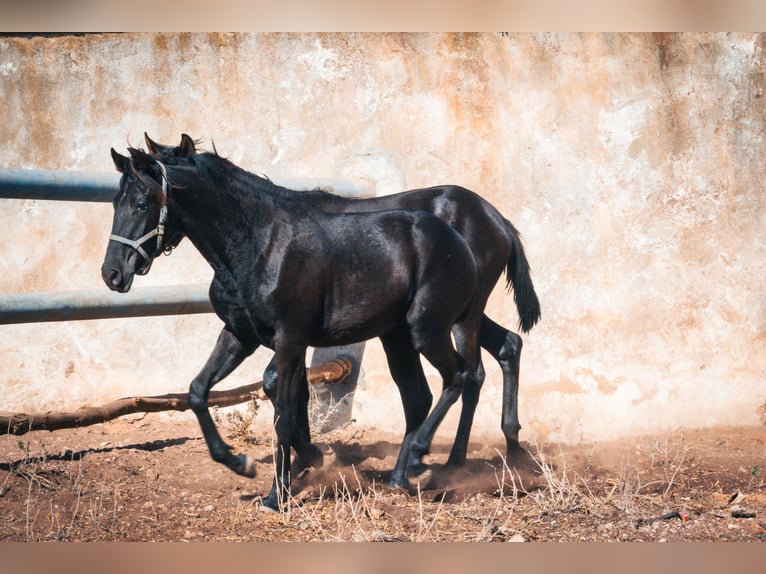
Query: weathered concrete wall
point(632, 164)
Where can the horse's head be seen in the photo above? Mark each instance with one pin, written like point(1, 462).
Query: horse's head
point(170, 154)
point(140, 228)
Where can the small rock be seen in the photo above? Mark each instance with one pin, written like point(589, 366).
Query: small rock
point(736, 498)
point(738, 512)
point(517, 538)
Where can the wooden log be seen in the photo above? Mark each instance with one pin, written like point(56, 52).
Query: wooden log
point(333, 371)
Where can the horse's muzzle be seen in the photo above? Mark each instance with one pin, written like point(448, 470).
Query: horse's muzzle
point(115, 280)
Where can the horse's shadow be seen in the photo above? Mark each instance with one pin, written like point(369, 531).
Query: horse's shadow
point(73, 456)
point(349, 467)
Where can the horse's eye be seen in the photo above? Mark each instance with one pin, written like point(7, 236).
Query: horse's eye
point(141, 206)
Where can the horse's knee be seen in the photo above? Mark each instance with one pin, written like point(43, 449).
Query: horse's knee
point(459, 383)
point(197, 396)
point(471, 375)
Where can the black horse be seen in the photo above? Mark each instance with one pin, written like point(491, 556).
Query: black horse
point(496, 246)
point(306, 277)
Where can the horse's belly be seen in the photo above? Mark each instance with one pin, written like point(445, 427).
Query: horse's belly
point(356, 323)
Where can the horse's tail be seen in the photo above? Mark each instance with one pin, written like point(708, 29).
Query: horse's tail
point(517, 275)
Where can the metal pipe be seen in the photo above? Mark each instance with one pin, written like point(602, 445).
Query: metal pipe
point(102, 187)
point(58, 185)
point(104, 304)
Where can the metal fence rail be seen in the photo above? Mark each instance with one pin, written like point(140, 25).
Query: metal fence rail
point(104, 304)
point(58, 185)
point(101, 187)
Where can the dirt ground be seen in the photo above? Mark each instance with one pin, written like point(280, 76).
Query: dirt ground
point(150, 479)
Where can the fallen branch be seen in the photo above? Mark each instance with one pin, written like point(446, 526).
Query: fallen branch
point(333, 371)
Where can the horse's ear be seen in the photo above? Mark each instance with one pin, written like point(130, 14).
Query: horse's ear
point(121, 162)
point(187, 146)
point(141, 159)
point(153, 147)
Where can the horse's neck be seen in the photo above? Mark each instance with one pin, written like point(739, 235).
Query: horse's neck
point(217, 223)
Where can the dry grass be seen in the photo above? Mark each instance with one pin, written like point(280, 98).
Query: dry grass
point(239, 420)
point(132, 493)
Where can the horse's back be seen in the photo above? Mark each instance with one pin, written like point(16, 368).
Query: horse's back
point(481, 225)
point(424, 241)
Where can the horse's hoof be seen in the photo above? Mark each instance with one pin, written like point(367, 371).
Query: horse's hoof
point(398, 480)
point(270, 504)
point(421, 480)
point(266, 508)
point(247, 467)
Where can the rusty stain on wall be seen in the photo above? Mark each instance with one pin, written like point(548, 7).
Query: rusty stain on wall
point(632, 164)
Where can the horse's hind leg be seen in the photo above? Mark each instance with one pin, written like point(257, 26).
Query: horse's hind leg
point(470, 398)
point(307, 453)
point(505, 346)
point(457, 369)
point(228, 354)
point(407, 372)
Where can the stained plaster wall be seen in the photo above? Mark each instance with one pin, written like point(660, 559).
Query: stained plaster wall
point(632, 164)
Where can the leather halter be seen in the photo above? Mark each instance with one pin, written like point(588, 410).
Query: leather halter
point(158, 231)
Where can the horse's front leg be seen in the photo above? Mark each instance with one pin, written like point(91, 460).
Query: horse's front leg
point(228, 354)
point(291, 380)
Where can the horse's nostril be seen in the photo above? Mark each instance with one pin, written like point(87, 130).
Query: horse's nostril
point(113, 278)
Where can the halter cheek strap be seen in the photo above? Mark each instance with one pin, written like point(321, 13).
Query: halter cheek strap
point(136, 244)
point(158, 231)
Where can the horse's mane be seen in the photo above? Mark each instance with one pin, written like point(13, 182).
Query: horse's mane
point(222, 173)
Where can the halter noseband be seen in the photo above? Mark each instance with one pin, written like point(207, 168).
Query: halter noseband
point(158, 231)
